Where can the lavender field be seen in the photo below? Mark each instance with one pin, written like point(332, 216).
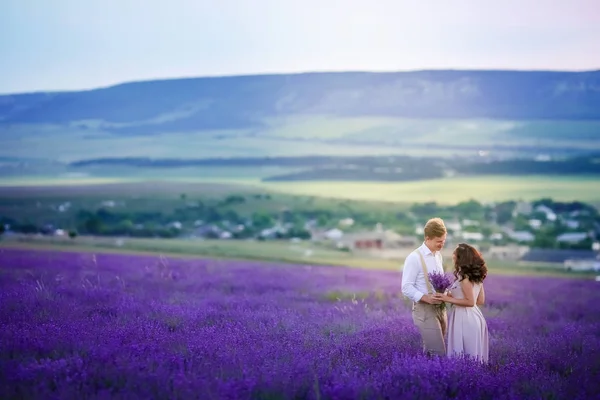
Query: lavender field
point(78, 325)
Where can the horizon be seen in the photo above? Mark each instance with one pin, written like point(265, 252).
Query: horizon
point(267, 74)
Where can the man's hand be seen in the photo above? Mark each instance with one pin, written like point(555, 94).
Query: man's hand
point(429, 299)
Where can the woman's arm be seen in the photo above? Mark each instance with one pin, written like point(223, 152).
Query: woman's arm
point(481, 297)
point(467, 289)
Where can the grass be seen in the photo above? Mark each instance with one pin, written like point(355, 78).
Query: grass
point(453, 190)
point(275, 251)
point(303, 135)
point(472, 133)
point(443, 191)
point(38, 203)
point(270, 251)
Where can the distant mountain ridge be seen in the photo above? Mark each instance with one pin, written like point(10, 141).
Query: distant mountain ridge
point(246, 101)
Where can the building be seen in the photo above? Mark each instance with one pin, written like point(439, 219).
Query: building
point(376, 240)
point(522, 208)
point(535, 224)
point(550, 214)
point(590, 264)
point(521, 236)
point(472, 236)
point(510, 252)
point(557, 255)
point(572, 237)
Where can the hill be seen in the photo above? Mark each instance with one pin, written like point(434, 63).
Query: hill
point(241, 101)
point(306, 114)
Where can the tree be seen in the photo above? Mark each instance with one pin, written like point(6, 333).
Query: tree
point(547, 202)
point(232, 216)
point(234, 199)
point(27, 227)
point(93, 225)
point(470, 209)
point(212, 215)
point(261, 220)
point(425, 209)
point(521, 223)
point(504, 212)
point(298, 232)
point(322, 220)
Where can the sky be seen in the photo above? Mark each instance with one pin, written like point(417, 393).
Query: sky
point(82, 44)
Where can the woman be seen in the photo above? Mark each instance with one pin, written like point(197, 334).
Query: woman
point(467, 329)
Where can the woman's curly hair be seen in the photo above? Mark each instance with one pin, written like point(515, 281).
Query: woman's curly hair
point(469, 264)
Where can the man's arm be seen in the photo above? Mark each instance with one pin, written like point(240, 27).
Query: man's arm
point(410, 271)
point(409, 278)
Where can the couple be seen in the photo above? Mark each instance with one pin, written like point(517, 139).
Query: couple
point(467, 332)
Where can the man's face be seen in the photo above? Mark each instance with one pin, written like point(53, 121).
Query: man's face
point(436, 243)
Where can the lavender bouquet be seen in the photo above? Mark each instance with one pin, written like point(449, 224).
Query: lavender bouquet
point(440, 282)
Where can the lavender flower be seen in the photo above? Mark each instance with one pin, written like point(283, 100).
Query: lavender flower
point(124, 327)
point(440, 281)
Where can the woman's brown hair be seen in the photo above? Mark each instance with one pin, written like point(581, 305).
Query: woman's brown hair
point(469, 264)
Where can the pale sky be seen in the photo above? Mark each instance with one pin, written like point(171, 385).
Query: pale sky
point(82, 44)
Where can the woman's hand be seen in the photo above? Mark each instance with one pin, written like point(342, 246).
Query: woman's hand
point(442, 297)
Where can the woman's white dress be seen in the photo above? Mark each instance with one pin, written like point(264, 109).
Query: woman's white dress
point(467, 328)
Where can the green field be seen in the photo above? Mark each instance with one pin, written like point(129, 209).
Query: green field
point(305, 135)
point(303, 253)
point(442, 191)
point(454, 190)
point(464, 132)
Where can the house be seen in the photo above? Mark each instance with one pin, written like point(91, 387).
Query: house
point(470, 222)
point(326, 234)
point(346, 222)
point(208, 231)
point(334, 234)
point(64, 207)
point(269, 233)
point(275, 231)
point(376, 240)
point(571, 224)
point(453, 226)
point(572, 237)
point(550, 214)
point(311, 224)
point(473, 236)
point(225, 235)
point(521, 236)
point(522, 208)
point(590, 264)
point(496, 236)
point(510, 252)
point(535, 223)
point(419, 229)
point(175, 225)
point(557, 255)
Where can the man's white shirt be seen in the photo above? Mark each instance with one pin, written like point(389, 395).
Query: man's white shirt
point(414, 285)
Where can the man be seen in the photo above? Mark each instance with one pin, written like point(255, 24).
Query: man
point(416, 286)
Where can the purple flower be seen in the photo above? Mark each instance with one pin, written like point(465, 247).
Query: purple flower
point(252, 330)
point(440, 281)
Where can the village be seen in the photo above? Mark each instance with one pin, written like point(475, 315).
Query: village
point(509, 244)
point(535, 232)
